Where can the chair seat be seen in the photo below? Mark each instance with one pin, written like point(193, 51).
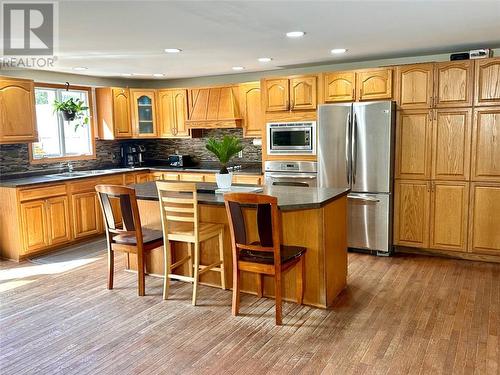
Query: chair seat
point(179, 231)
point(288, 254)
point(148, 235)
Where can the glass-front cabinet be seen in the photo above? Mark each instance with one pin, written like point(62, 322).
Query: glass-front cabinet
point(144, 113)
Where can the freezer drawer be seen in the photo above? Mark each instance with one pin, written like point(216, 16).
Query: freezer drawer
point(369, 221)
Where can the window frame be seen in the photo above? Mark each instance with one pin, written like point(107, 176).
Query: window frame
point(92, 155)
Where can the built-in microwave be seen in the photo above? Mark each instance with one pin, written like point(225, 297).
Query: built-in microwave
point(291, 138)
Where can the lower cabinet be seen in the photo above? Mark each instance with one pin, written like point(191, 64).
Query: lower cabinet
point(141, 178)
point(484, 224)
point(59, 227)
point(87, 217)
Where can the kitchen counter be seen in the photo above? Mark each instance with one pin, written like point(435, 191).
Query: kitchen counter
point(289, 197)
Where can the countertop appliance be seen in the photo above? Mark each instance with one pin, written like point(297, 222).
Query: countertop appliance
point(178, 160)
point(132, 155)
point(356, 151)
point(291, 173)
point(291, 138)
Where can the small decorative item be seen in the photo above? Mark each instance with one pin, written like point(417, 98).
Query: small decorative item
point(224, 150)
point(72, 110)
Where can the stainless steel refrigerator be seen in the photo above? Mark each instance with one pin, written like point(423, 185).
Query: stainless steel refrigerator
point(356, 150)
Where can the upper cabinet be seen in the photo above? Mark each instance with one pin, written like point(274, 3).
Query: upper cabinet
point(17, 111)
point(144, 113)
point(415, 86)
point(172, 113)
point(113, 113)
point(360, 85)
point(453, 84)
point(251, 109)
point(290, 94)
point(486, 144)
point(487, 89)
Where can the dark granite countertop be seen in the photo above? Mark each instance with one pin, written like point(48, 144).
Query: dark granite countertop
point(30, 179)
point(290, 198)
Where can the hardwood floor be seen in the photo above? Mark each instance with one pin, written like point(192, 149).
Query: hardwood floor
point(406, 314)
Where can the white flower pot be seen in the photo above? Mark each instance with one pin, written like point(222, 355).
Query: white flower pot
point(224, 180)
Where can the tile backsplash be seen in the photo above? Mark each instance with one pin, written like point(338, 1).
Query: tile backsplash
point(15, 158)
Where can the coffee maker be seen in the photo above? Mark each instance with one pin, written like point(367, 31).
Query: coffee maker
point(132, 155)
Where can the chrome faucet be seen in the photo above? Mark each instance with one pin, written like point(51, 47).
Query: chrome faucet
point(70, 167)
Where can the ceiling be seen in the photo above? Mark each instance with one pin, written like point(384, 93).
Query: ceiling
point(115, 37)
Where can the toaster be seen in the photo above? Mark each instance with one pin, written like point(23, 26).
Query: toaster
point(178, 160)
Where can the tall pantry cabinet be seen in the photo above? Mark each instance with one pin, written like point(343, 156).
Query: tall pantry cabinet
point(447, 188)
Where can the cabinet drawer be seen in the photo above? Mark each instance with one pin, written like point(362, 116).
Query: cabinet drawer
point(210, 177)
point(89, 184)
point(171, 176)
point(42, 192)
point(251, 180)
point(129, 179)
point(193, 177)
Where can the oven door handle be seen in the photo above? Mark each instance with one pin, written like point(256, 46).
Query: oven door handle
point(290, 176)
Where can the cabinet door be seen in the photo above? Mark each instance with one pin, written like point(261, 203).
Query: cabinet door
point(339, 87)
point(453, 84)
point(303, 92)
point(449, 215)
point(34, 225)
point(17, 111)
point(484, 227)
point(87, 215)
point(374, 84)
point(59, 228)
point(411, 213)
point(413, 144)
point(251, 109)
point(193, 177)
point(487, 80)
point(415, 86)
point(121, 113)
point(180, 113)
point(276, 94)
point(144, 113)
point(451, 144)
point(166, 113)
point(486, 144)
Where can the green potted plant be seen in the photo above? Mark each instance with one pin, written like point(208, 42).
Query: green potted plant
point(224, 150)
point(72, 110)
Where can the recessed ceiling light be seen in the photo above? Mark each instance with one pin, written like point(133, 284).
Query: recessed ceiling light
point(264, 59)
point(295, 34)
point(80, 68)
point(158, 75)
point(238, 67)
point(172, 50)
point(126, 74)
point(337, 51)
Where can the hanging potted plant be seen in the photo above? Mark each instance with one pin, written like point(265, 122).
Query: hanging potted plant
point(72, 110)
point(224, 150)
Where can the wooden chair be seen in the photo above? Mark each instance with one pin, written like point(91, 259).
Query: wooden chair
point(179, 213)
point(131, 238)
point(265, 257)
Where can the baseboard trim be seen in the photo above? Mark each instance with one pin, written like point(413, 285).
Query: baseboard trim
point(448, 254)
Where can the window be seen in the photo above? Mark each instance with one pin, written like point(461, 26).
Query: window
point(57, 138)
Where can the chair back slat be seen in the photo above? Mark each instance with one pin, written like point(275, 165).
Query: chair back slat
point(107, 210)
point(127, 213)
point(265, 225)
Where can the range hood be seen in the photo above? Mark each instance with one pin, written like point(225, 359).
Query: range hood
point(214, 107)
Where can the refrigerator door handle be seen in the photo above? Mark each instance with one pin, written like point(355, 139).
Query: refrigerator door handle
point(367, 199)
point(354, 148)
point(347, 136)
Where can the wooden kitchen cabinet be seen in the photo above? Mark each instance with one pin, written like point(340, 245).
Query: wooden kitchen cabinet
point(303, 93)
point(144, 122)
point(291, 93)
point(113, 113)
point(415, 84)
point(87, 217)
point(58, 220)
point(486, 144)
point(17, 111)
point(411, 213)
point(487, 82)
point(276, 94)
point(484, 227)
point(453, 84)
point(413, 144)
point(451, 144)
point(449, 215)
point(251, 109)
point(339, 87)
point(374, 84)
point(34, 225)
point(172, 113)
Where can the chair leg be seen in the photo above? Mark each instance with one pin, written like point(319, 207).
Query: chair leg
point(196, 271)
point(167, 256)
point(235, 308)
point(221, 255)
point(190, 261)
point(277, 292)
point(300, 269)
point(111, 267)
point(259, 283)
point(141, 274)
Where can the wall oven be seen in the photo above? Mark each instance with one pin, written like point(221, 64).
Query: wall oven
point(291, 173)
point(291, 138)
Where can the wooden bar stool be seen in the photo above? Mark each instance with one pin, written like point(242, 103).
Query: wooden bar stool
point(265, 257)
point(132, 238)
point(179, 214)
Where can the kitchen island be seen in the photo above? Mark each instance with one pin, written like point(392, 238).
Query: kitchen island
point(315, 218)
